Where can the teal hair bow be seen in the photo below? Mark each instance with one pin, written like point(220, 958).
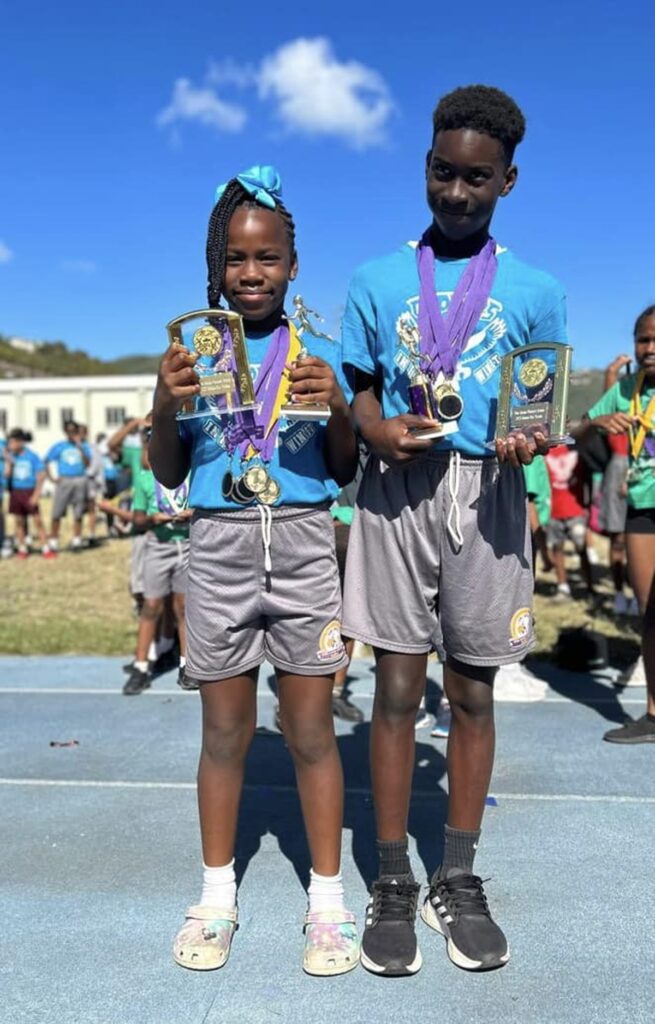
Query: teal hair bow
point(262, 182)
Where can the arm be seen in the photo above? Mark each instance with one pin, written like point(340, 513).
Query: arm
point(613, 370)
point(36, 493)
point(177, 381)
point(115, 442)
point(315, 380)
point(391, 440)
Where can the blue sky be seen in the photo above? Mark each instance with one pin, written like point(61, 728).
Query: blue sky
point(118, 120)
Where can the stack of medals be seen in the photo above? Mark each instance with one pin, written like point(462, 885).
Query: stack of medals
point(442, 339)
point(254, 435)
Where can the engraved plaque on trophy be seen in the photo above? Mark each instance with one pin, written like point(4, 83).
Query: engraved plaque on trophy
point(534, 387)
point(217, 335)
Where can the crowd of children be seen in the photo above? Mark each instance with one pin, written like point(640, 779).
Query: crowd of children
point(441, 544)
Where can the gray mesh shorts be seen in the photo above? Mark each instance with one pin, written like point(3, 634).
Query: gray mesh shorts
point(165, 566)
point(411, 587)
point(239, 615)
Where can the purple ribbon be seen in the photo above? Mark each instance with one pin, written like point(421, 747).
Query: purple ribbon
point(249, 428)
point(171, 503)
point(443, 339)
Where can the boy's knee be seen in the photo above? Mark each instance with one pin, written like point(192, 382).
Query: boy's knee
point(395, 700)
point(469, 689)
point(151, 608)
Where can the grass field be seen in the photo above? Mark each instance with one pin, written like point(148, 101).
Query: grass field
point(80, 604)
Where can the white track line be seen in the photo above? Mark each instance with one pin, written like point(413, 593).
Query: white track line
point(356, 791)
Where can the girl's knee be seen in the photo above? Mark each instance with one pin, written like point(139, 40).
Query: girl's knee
point(227, 740)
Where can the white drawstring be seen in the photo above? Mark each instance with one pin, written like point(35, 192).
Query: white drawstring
point(454, 522)
point(266, 517)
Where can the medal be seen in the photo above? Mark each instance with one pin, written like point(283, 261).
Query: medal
point(256, 478)
point(448, 402)
point(241, 493)
point(227, 485)
point(533, 373)
point(271, 492)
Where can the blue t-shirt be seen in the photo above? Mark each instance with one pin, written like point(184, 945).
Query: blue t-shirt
point(297, 464)
point(380, 327)
point(25, 468)
point(110, 468)
point(68, 458)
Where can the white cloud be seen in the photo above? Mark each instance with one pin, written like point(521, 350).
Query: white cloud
point(201, 104)
point(228, 72)
point(318, 95)
point(80, 266)
point(5, 253)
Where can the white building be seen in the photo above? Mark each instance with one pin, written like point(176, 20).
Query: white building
point(41, 404)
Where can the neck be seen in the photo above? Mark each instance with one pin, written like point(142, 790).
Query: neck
point(266, 326)
point(460, 248)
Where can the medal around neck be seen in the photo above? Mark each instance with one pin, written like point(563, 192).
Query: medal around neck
point(305, 410)
point(534, 388)
point(226, 387)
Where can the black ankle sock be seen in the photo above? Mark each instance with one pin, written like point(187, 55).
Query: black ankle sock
point(459, 850)
point(394, 859)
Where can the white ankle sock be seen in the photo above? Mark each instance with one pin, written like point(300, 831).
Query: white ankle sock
point(219, 887)
point(182, 661)
point(325, 892)
point(142, 666)
point(152, 651)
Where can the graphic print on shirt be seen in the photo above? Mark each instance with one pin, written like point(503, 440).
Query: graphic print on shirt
point(478, 358)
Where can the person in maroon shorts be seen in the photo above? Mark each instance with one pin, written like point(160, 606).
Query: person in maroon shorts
point(25, 473)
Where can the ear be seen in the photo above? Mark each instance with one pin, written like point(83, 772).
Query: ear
point(293, 269)
point(428, 158)
point(511, 174)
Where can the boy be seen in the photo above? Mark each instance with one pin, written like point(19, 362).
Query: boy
point(164, 517)
point(73, 457)
point(439, 554)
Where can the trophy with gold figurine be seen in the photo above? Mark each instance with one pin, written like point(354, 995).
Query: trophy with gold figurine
point(534, 387)
point(302, 410)
point(217, 335)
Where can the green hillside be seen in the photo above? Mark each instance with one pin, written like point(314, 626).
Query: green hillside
point(55, 359)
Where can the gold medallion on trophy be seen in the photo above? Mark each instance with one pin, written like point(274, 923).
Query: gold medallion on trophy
point(533, 373)
point(207, 341)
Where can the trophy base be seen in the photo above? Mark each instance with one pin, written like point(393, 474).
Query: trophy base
point(551, 442)
point(217, 414)
point(434, 433)
point(305, 412)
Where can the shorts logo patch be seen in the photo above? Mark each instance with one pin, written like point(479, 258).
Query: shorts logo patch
point(520, 627)
point(330, 646)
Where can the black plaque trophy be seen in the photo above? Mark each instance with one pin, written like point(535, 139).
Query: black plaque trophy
point(218, 337)
point(292, 411)
point(534, 387)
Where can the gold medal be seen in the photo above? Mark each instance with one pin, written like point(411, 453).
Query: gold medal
point(271, 492)
point(257, 479)
point(448, 402)
point(533, 373)
point(207, 341)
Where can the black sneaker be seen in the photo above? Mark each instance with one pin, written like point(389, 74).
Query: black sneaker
point(457, 907)
point(389, 941)
point(184, 681)
point(136, 682)
point(638, 730)
point(342, 708)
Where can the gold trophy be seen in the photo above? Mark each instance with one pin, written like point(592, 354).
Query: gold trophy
point(301, 410)
point(217, 335)
point(534, 387)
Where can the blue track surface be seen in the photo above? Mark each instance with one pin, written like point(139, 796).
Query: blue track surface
point(100, 856)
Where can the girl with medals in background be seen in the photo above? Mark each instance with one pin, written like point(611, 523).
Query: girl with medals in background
point(263, 582)
point(423, 333)
point(628, 407)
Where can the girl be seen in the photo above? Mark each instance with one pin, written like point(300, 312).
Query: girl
point(263, 580)
point(629, 408)
point(25, 473)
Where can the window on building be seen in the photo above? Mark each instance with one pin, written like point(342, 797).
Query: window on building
point(115, 415)
point(3, 419)
point(43, 417)
point(67, 414)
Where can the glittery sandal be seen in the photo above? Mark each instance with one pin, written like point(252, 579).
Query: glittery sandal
point(331, 943)
point(203, 942)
